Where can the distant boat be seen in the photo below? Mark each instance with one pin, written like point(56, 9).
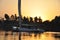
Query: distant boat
point(20, 29)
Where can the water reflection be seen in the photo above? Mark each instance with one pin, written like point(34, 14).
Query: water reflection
point(43, 36)
point(28, 36)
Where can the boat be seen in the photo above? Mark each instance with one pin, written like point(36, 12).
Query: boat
point(20, 29)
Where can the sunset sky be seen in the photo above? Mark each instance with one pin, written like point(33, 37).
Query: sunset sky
point(46, 9)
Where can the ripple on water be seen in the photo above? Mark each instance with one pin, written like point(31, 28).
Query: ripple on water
point(28, 36)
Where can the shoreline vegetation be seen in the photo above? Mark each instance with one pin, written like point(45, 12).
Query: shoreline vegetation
point(8, 22)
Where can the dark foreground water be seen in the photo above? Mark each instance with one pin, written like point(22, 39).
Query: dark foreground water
point(28, 36)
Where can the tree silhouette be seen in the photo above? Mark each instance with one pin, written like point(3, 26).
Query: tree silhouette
point(6, 16)
point(35, 19)
point(31, 20)
point(40, 20)
point(53, 25)
point(12, 17)
point(15, 17)
point(25, 20)
point(56, 24)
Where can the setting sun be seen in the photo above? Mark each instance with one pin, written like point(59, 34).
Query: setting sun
point(46, 9)
point(37, 14)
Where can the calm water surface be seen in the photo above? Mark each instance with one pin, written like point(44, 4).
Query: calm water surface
point(28, 36)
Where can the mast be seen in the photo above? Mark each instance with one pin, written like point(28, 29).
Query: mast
point(19, 12)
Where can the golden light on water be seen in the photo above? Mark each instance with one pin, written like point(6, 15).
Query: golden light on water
point(46, 36)
point(28, 36)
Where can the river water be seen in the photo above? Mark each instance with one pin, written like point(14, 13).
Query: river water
point(28, 36)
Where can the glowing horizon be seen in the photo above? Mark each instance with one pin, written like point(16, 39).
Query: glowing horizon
point(46, 9)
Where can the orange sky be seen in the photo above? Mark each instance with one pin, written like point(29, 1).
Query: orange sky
point(46, 9)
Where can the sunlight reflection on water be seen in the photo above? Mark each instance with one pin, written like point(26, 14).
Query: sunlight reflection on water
point(28, 36)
